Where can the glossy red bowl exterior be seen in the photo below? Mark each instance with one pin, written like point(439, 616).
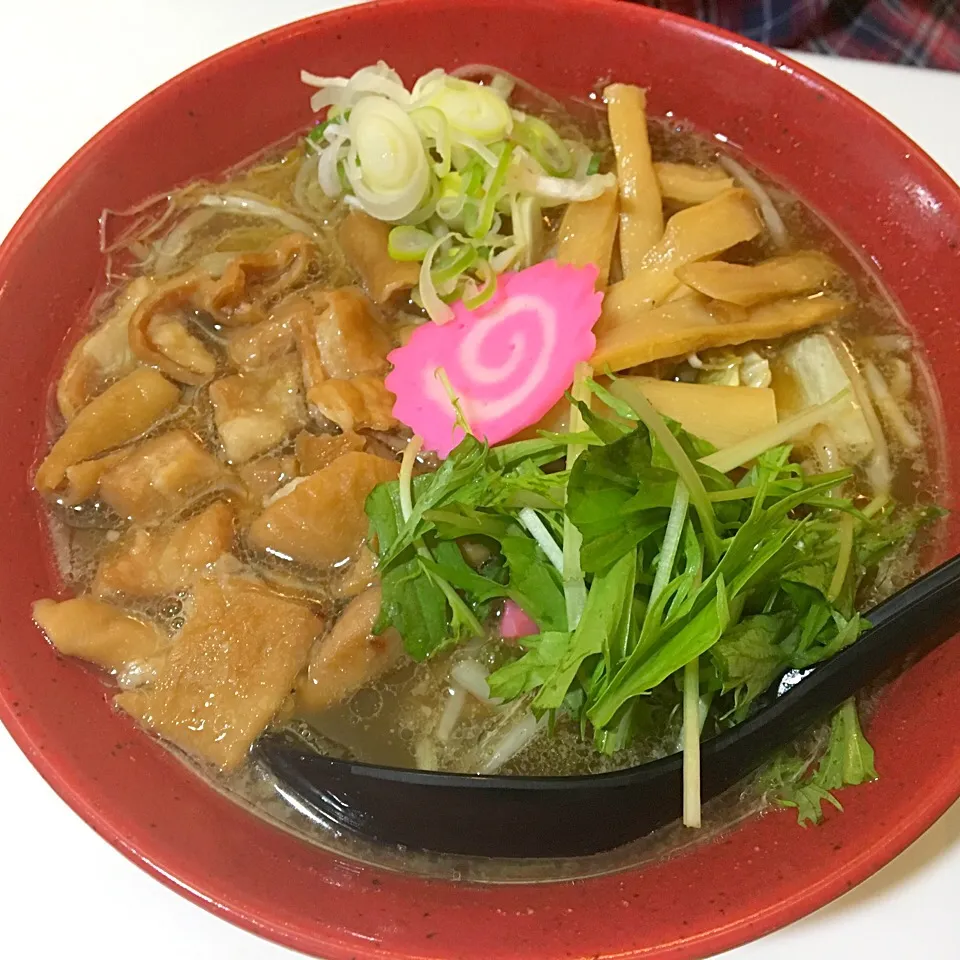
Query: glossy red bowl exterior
point(880, 191)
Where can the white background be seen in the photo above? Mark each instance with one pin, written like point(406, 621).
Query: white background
point(66, 68)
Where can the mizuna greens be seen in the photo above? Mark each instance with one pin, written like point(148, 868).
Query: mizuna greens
point(714, 582)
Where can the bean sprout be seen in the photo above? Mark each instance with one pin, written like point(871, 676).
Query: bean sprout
point(771, 216)
point(889, 407)
point(247, 206)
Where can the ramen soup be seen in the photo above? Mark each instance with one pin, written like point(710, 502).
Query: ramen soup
point(476, 432)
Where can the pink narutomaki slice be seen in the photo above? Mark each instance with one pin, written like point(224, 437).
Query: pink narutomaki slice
point(507, 362)
point(516, 623)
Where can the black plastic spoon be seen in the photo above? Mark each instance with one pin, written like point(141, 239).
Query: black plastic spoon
point(498, 816)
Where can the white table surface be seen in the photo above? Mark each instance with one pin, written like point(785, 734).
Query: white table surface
point(66, 68)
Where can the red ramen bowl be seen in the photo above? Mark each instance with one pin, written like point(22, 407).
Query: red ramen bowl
point(880, 192)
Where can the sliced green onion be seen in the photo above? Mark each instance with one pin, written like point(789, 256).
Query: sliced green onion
point(452, 196)
point(433, 124)
point(342, 174)
point(472, 109)
point(316, 134)
point(460, 156)
point(386, 162)
point(476, 147)
point(502, 85)
point(543, 143)
point(449, 290)
point(473, 175)
point(454, 262)
point(594, 165)
point(426, 84)
point(504, 259)
point(470, 216)
point(494, 241)
point(427, 206)
point(582, 155)
point(451, 185)
point(492, 190)
point(474, 296)
point(526, 176)
point(527, 226)
point(406, 243)
point(344, 91)
point(436, 309)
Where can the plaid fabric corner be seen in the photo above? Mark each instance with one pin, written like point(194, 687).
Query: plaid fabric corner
point(923, 33)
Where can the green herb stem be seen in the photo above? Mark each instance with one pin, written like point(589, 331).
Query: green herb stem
point(746, 450)
point(844, 553)
point(671, 540)
point(538, 530)
point(574, 586)
point(691, 744)
point(410, 455)
point(685, 470)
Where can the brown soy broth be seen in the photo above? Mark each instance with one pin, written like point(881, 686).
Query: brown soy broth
point(389, 721)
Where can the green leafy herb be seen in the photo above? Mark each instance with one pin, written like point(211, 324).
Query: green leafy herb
point(890, 528)
point(750, 573)
point(608, 603)
point(785, 781)
point(534, 583)
point(847, 761)
point(749, 657)
point(410, 601)
point(532, 670)
point(849, 758)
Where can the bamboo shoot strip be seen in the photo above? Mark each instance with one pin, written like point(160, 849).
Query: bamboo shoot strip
point(685, 326)
point(749, 285)
point(641, 208)
point(689, 184)
point(587, 232)
point(696, 233)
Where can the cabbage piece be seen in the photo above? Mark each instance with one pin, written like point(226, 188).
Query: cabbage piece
point(814, 375)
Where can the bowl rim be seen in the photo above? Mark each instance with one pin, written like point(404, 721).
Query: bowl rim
point(26, 731)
